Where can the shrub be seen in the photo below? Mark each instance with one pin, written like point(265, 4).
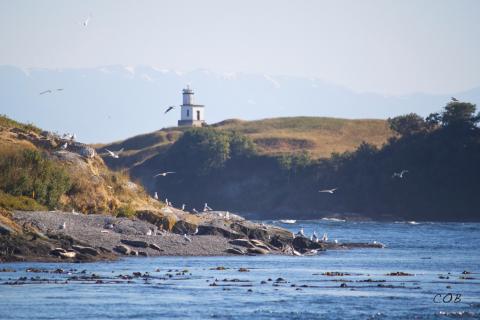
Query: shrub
point(29, 173)
point(10, 202)
point(125, 212)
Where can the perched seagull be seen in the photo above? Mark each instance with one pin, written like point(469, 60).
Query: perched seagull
point(187, 238)
point(166, 202)
point(149, 232)
point(206, 207)
point(163, 174)
point(183, 207)
point(155, 195)
point(300, 233)
point(325, 237)
point(64, 146)
point(63, 226)
point(454, 99)
point(169, 109)
point(227, 215)
point(336, 241)
point(331, 191)
point(194, 210)
point(46, 91)
point(196, 231)
point(115, 155)
point(74, 136)
point(314, 237)
point(108, 226)
point(399, 174)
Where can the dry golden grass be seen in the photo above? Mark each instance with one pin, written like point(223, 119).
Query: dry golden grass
point(319, 136)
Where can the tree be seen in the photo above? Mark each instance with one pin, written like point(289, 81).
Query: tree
point(407, 124)
point(459, 114)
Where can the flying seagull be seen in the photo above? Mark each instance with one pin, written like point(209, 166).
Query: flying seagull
point(399, 174)
point(50, 91)
point(85, 23)
point(331, 191)
point(169, 109)
point(115, 155)
point(163, 174)
point(454, 99)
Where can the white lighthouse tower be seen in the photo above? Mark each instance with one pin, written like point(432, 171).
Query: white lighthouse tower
point(192, 115)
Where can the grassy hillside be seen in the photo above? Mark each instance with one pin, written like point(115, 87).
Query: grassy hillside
point(320, 137)
point(37, 173)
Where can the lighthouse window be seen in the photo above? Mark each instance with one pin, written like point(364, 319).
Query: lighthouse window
point(198, 115)
point(188, 113)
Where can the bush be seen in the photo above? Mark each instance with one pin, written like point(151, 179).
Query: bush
point(10, 202)
point(29, 173)
point(125, 212)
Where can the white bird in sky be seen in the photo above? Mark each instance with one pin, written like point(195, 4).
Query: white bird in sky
point(155, 195)
point(163, 174)
point(169, 109)
point(331, 191)
point(115, 155)
point(50, 91)
point(399, 174)
point(85, 23)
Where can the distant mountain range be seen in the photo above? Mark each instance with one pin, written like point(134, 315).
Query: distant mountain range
point(109, 103)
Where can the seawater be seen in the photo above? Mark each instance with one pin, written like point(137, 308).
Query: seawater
point(426, 250)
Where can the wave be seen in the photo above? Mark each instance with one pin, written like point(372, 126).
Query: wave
point(333, 219)
point(288, 221)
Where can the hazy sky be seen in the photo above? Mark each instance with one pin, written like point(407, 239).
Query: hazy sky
point(381, 46)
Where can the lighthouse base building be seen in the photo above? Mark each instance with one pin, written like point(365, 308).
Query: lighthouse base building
point(192, 115)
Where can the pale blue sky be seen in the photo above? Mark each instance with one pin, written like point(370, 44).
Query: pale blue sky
point(391, 47)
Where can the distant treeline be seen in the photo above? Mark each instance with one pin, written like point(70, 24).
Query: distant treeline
point(440, 152)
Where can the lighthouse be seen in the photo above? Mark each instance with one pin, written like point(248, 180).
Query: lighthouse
point(192, 115)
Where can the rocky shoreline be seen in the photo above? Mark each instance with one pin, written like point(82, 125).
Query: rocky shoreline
point(72, 237)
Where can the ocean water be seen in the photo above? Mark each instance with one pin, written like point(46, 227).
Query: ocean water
point(435, 254)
